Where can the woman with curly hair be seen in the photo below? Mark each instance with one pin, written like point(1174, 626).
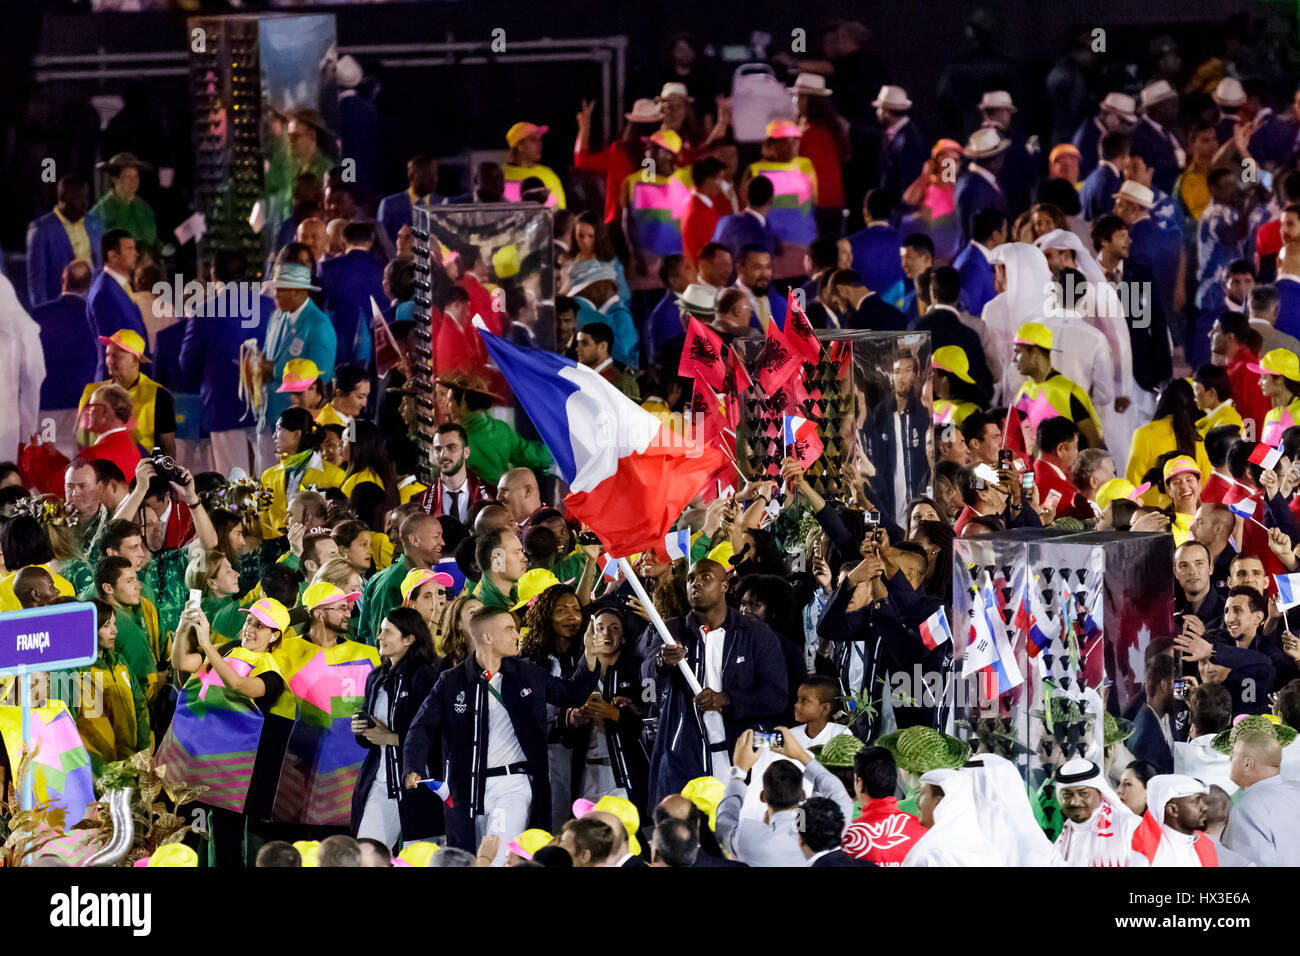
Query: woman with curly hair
point(454, 644)
point(552, 639)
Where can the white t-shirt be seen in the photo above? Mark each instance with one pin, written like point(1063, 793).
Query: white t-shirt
point(503, 746)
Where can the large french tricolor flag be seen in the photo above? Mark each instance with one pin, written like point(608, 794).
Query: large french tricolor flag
point(630, 475)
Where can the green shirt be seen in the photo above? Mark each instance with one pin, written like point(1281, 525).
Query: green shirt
point(136, 217)
point(382, 593)
point(225, 621)
point(132, 645)
point(568, 570)
point(495, 448)
point(491, 595)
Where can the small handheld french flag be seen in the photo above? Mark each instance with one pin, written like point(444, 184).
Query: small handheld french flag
point(439, 787)
point(1288, 590)
point(797, 428)
point(678, 544)
point(1266, 457)
point(609, 567)
point(935, 630)
point(1245, 508)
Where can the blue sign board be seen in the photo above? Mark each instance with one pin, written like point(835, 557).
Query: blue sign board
point(48, 638)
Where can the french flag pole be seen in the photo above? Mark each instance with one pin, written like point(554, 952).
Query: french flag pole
point(630, 476)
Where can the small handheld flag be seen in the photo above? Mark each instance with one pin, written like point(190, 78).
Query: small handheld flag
point(1266, 457)
point(609, 567)
point(935, 630)
point(678, 544)
point(801, 441)
point(439, 787)
point(1288, 590)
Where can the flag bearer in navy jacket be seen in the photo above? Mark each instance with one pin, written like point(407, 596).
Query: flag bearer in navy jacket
point(492, 714)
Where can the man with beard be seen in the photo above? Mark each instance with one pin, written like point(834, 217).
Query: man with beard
point(1098, 828)
point(456, 489)
point(737, 661)
point(1172, 832)
point(754, 279)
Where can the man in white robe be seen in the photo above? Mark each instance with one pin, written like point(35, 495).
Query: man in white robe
point(1172, 831)
point(956, 836)
point(1098, 829)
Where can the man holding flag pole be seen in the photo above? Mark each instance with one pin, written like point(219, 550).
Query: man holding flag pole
point(630, 479)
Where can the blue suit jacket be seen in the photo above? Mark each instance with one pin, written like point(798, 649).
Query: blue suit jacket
point(663, 325)
point(1157, 249)
point(1087, 140)
point(876, 259)
point(1148, 742)
point(1098, 194)
point(48, 251)
point(209, 355)
point(901, 160)
point(974, 194)
point(349, 281)
point(1164, 159)
point(1273, 142)
point(111, 309)
point(69, 348)
point(742, 229)
point(1288, 311)
point(395, 211)
point(976, 279)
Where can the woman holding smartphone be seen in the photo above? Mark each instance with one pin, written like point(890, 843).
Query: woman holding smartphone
point(381, 808)
point(244, 683)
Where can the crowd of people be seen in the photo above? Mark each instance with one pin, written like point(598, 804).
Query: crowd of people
point(366, 646)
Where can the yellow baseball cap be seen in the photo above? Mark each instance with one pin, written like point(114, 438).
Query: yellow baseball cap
point(322, 593)
point(706, 793)
point(174, 854)
point(299, 375)
point(1181, 465)
point(952, 359)
point(420, 576)
point(668, 139)
point(1120, 488)
point(308, 850)
point(271, 613)
point(529, 842)
point(723, 553)
point(1034, 333)
point(418, 854)
point(533, 583)
point(127, 340)
point(1063, 149)
point(1275, 362)
point(505, 261)
point(521, 131)
point(328, 416)
point(782, 129)
point(626, 811)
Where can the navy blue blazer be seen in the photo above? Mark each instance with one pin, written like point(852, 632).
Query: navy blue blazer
point(457, 708)
point(1155, 144)
point(48, 251)
point(1288, 311)
point(876, 259)
point(753, 677)
point(901, 159)
point(110, 310)
point(1087, 140)
point(1157, 249)
point(209, 355)
point(1098, 194)
point(976, 279)
point(883, 450)
point(349, 282)
point(395, 211)
point(876, 315)
point(69, 348)
point(1148, 741)
point(975, 194)
point(947, 328)
point(739, 229)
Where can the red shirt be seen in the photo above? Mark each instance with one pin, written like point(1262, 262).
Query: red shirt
point(883, 833)
point(115, 446)
point(1049, 477)
point(614, 163)
point(1268, 240)
point(698, 222)
point(1250, 402)
point(818, 145)
point(1215, 490)
point(963, 519)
